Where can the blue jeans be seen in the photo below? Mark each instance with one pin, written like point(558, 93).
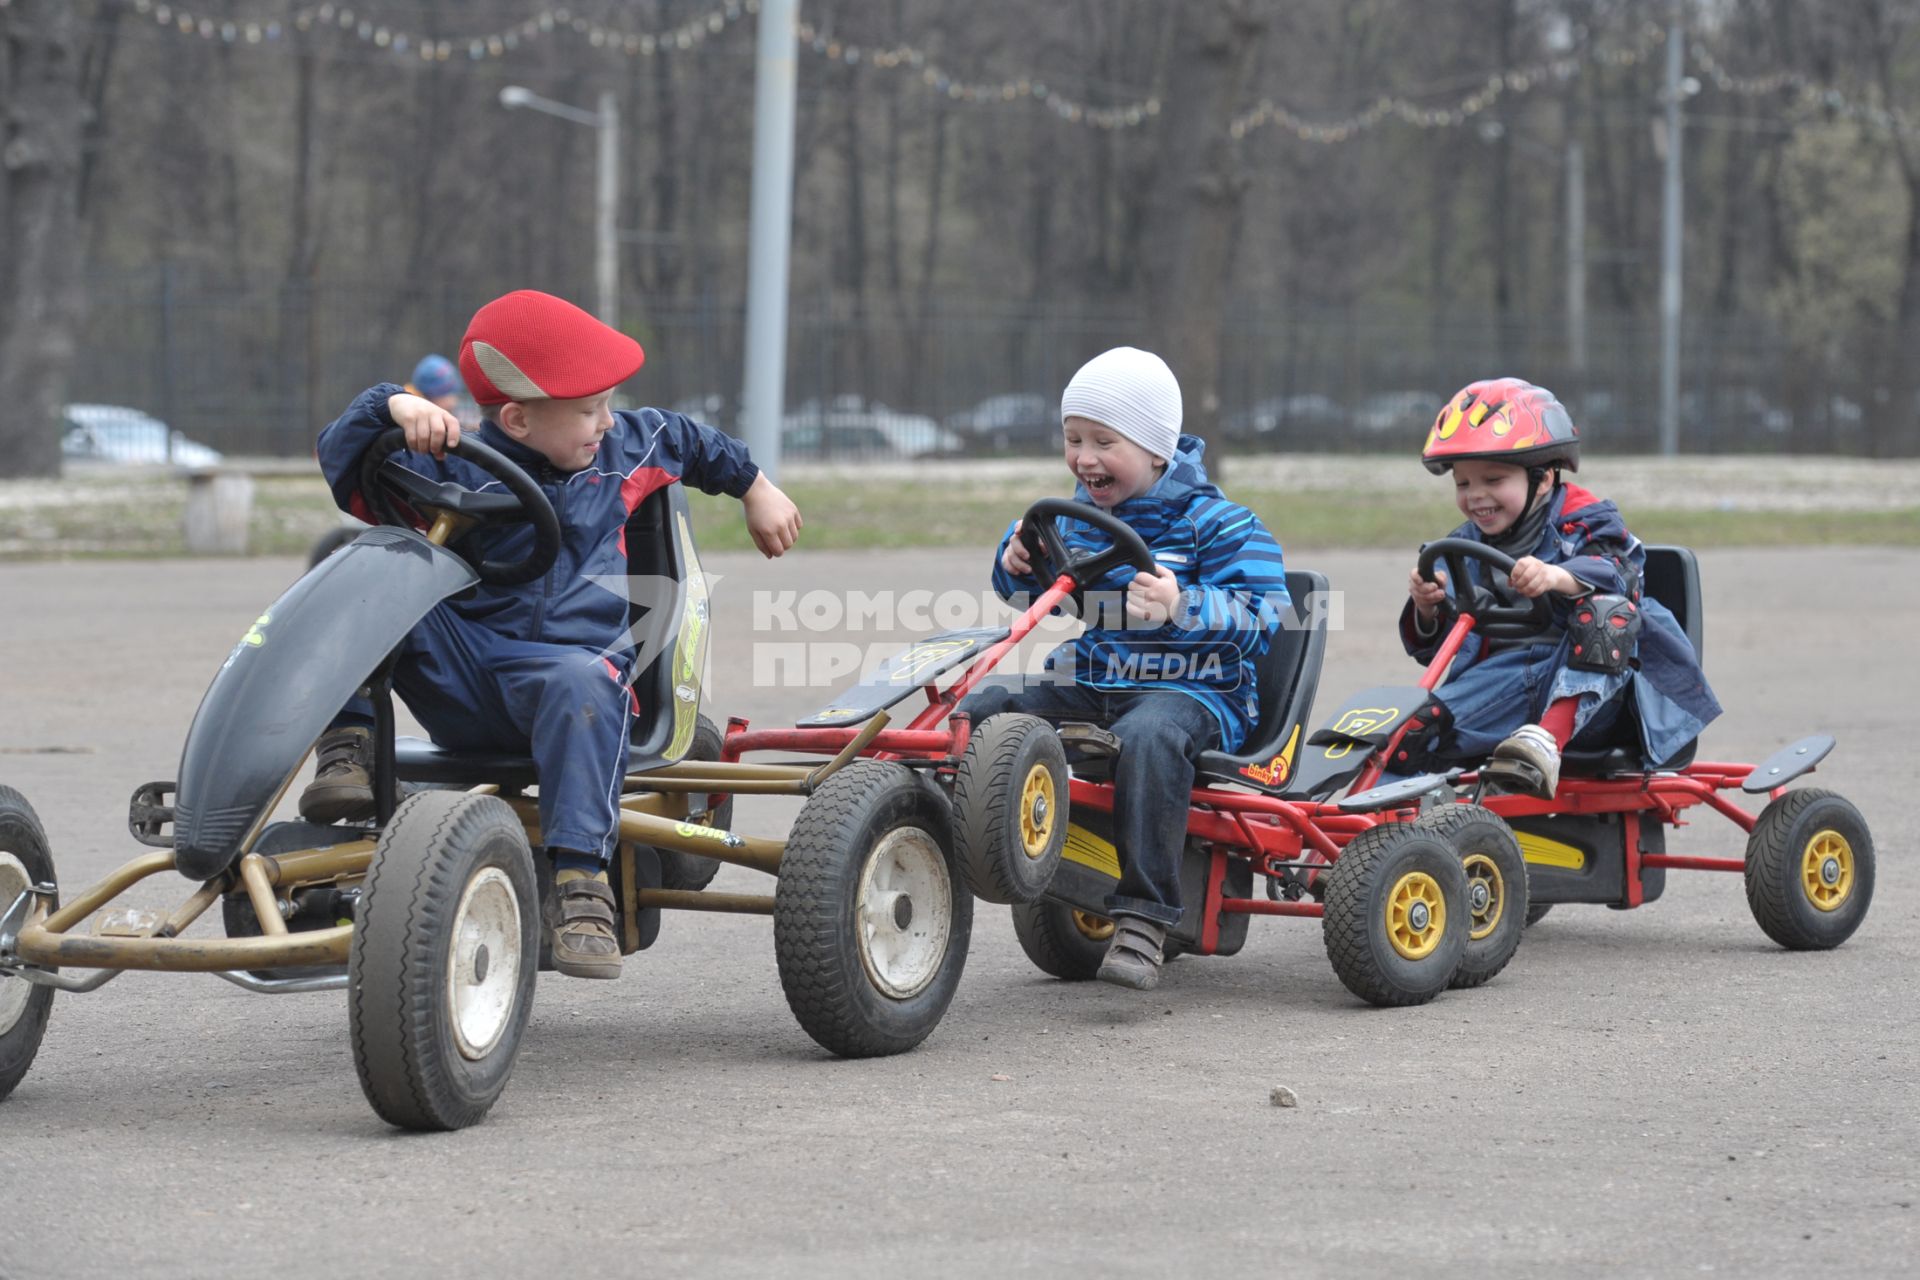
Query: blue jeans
point(1512, 687)
point(1161, 735)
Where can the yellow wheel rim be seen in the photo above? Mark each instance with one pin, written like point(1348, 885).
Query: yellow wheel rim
point(1826, 870)
point(1416, 915)
point(1093, 928)
point(1038, 810)
point(1486, 894)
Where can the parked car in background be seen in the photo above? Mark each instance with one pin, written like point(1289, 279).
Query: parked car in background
point(1015, 422)
point(114, 433)
point(1283, 416)
point(848, 426)
point(1401, 413)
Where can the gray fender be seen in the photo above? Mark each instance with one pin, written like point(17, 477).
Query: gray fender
point(287, 678)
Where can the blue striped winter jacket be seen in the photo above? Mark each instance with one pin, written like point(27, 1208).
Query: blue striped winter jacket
point(1233, 597)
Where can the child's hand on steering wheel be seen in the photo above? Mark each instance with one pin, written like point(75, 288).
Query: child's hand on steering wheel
point(1533, 576)
point(1427, 596)
point(1151, 597)
point(429, 428)
point(1014, 559)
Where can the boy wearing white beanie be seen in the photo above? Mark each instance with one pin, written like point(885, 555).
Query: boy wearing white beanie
point(1214, 602)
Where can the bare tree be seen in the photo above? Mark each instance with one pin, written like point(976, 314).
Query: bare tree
point(41, 45)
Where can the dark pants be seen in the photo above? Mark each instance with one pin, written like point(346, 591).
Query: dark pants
point(567, 706)
point(1161, 735)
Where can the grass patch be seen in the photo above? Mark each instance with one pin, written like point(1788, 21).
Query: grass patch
point(141, 515)
point(846, 516)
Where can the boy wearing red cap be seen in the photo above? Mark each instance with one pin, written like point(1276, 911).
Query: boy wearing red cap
point(528, 667)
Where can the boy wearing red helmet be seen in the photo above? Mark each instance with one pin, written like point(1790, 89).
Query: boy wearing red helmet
point(1506, 443)
point(538, 667)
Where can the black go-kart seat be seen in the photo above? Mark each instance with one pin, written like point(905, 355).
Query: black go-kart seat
point(653, 552)
point(1289, 676)
point(1673, 578)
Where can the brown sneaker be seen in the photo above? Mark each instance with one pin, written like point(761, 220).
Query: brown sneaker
point(342, 786)
point(584, 945)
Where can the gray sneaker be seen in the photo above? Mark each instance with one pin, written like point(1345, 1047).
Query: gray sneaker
point(1135, 954)
point(1527, 763)
point(342, 786)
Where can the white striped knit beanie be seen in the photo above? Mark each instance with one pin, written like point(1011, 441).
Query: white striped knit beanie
point(1131, 391)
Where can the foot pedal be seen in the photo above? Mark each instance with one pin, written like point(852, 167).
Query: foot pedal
point(1089, 739)
point(1506, 776)
point(148, 813)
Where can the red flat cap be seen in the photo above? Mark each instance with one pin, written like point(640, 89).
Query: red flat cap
point(534, 346)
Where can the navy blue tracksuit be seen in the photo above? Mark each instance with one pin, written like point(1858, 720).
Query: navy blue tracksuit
point(543, 667)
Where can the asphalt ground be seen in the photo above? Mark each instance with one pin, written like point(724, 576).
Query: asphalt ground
point(1661, 1091)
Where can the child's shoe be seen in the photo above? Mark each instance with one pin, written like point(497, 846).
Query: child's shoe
point(1135, 954)
point(342, 786)
point(1527, 763)
point(584, 945)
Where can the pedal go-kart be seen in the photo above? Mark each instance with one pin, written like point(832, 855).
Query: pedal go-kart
point(1418, 895)
point(429, 917)
point(1601, 838)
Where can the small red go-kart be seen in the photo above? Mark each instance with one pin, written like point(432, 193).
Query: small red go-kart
point(1418, 894)
point(1601, 838)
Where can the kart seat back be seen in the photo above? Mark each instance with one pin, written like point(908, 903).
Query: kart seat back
point(1672, 577)
point(1289, 676)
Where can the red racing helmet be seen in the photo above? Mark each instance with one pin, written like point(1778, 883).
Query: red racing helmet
point(1503, 420)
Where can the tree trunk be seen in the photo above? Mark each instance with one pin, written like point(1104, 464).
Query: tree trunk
point(1187, 249)
point(40, 151)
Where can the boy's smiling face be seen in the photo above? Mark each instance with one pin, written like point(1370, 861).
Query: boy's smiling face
point(566, 432)
point(1112, 467)
point(1492, 494)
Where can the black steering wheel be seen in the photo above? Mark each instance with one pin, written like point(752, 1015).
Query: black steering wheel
point(1040, 534)
point(383, 480)
point(1498, 612)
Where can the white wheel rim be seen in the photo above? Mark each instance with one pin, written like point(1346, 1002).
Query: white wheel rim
point(903, 916)
point(14, 992)
point(483, 973)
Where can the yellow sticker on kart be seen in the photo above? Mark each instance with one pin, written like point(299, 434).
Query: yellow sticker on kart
point(1542, 852)
point(1092, 852)
point(1356, 723)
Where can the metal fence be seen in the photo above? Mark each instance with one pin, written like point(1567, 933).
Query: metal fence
point(257, 370)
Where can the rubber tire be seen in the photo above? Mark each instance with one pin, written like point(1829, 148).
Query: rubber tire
point(1001, 752)
point(1353, 928)
point(1535, 910)
point(692, 871)
point(331, 541)
point(814, 912)
point(403, 1045)
point(22, 835)
point(1054, 943)
point(1471, 828)
point(1774, 893)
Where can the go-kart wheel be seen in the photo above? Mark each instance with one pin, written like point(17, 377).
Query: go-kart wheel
point(1061, 940)
point(1010, 808)
point(1396, 918)
point(442, 963)
point(1535, 910)
point(1809, 870)
point(1496, 870)
point(25, 861)
point(679, 870)
point(870, 917)
point(329, 542)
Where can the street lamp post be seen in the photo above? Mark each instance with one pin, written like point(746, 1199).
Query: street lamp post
point(606, 266)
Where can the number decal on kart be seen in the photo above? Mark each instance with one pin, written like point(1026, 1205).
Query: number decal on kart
point(1353, 725)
